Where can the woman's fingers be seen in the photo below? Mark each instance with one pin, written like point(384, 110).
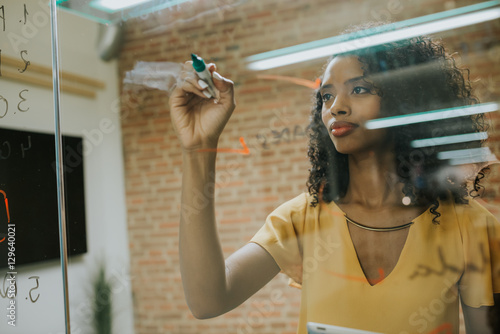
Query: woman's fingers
point(188, 75)
point(225, 88)
point(187, 66)
point(188, 88)
point(212, 67)
point(221, 83)
point(193, 85)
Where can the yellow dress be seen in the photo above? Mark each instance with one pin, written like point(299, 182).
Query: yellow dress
point(438, 263)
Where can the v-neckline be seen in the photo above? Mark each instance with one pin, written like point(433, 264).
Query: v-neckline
point(353, 252)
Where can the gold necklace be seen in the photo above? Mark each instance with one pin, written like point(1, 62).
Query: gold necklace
point(378, 229)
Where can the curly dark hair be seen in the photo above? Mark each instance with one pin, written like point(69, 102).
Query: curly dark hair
point(410, 76)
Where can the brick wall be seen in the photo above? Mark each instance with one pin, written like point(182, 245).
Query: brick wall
point(249, 187)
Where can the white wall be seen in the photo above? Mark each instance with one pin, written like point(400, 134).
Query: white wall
point(97, 120)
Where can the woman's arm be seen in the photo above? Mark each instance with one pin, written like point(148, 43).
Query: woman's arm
point(212, 285)
point(479, 319)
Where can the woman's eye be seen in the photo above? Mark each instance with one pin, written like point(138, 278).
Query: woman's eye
point(360, 90)
point(326, 97)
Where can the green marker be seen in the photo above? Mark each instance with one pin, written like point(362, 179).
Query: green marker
point(203, 73)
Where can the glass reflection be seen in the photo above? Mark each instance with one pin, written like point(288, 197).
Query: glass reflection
point(30, 271)
point(406, 237)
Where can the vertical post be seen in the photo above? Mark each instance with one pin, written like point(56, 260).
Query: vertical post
point(59, 162)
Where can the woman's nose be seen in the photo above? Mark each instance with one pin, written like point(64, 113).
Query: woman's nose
point(340, 106)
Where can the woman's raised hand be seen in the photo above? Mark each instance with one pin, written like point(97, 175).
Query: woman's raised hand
point(198, 120)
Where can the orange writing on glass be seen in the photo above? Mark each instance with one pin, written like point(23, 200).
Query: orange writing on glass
point(244, 150)
point(444, 327)
point(6, 201)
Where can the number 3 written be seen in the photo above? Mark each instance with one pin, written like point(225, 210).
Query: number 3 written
point(20, 107)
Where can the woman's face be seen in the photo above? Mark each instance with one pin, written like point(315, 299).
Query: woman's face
point(348, 102)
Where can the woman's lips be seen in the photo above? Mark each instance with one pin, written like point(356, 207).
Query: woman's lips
point(340, 129)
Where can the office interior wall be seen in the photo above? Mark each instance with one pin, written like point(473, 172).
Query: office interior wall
point(97, 120)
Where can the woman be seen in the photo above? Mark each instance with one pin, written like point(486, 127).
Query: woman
point(379, 242)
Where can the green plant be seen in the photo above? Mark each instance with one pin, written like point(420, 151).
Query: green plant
point(102, 302)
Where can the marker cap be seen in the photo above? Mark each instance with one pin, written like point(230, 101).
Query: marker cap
point(198, 63)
